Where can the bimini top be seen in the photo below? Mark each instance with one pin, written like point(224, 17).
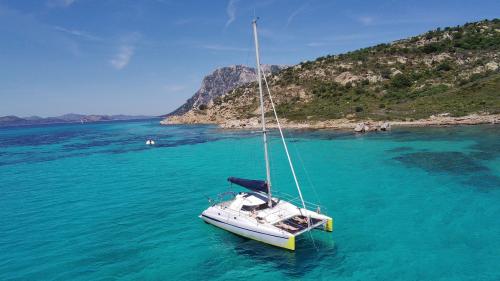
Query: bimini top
point(254, 185)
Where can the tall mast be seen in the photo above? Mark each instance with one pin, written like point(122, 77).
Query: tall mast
point(263, 120)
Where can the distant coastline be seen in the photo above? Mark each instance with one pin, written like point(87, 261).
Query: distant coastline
point(15, 121)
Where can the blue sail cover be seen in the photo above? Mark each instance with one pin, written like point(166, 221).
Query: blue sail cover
point(254, 185)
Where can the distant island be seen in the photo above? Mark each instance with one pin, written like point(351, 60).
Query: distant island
point(445, 76)
point(6, 121)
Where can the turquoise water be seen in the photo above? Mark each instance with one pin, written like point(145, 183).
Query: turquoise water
point(93, 202)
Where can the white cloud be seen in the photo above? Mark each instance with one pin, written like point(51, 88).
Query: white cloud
point(77, 33)
point(315, 44)
point(126, 50)
point(350, 38)
point(366, 20)
point(292, 16)
point(231, 12)
point(184, 21)
point(122, 58)
point(60, 3)
point(174, 88)
point(224, 48)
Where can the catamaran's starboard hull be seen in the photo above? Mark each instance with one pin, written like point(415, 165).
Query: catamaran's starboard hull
point(282, 240)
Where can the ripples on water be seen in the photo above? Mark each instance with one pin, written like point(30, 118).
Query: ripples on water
point(94, 202)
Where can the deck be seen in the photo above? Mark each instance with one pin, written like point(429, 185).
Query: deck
point(297, 224)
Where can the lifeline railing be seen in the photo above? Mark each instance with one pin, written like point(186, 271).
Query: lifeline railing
point(295, 200)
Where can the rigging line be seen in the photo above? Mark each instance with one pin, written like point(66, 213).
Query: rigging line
point(284, 143)
point(289, 158)
point(263, 119)
point(232, 157)
point(299, 156)
point(249, 50)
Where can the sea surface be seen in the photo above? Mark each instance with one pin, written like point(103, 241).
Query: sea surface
point(93, 202)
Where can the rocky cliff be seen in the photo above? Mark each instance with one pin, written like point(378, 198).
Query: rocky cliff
point(219, 82)
point(452, 71)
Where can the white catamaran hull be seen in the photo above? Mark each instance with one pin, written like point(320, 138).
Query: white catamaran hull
point(269, 232)
point(255, 232)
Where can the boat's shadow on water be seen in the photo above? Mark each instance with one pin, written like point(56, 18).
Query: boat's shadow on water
point(307, 256)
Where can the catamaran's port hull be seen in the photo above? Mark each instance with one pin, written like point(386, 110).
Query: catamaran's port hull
point(275, 238)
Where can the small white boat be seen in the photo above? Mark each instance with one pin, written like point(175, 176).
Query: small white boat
point(257, 214)
point(150, 142)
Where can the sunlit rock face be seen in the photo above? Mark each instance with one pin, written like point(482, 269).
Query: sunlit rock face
point(219, 82)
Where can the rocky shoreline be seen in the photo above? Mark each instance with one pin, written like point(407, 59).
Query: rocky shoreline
point(345, 124)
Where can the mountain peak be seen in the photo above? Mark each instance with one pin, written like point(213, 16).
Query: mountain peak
point(219, 82)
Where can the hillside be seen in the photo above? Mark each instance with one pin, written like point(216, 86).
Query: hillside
point(449, 71)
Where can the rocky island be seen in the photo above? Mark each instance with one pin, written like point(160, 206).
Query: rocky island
point(446, 76)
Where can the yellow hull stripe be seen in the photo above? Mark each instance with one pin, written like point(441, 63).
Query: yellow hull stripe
point(329, 225)
point(290, 245)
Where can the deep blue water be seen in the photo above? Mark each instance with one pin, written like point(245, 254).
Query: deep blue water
point(93, 202)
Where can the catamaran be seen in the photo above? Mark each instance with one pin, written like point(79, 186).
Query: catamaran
point(257, 214)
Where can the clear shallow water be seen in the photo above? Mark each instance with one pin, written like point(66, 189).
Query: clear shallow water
point(92, 202)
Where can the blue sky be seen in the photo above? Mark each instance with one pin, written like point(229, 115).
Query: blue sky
point(148, 57)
